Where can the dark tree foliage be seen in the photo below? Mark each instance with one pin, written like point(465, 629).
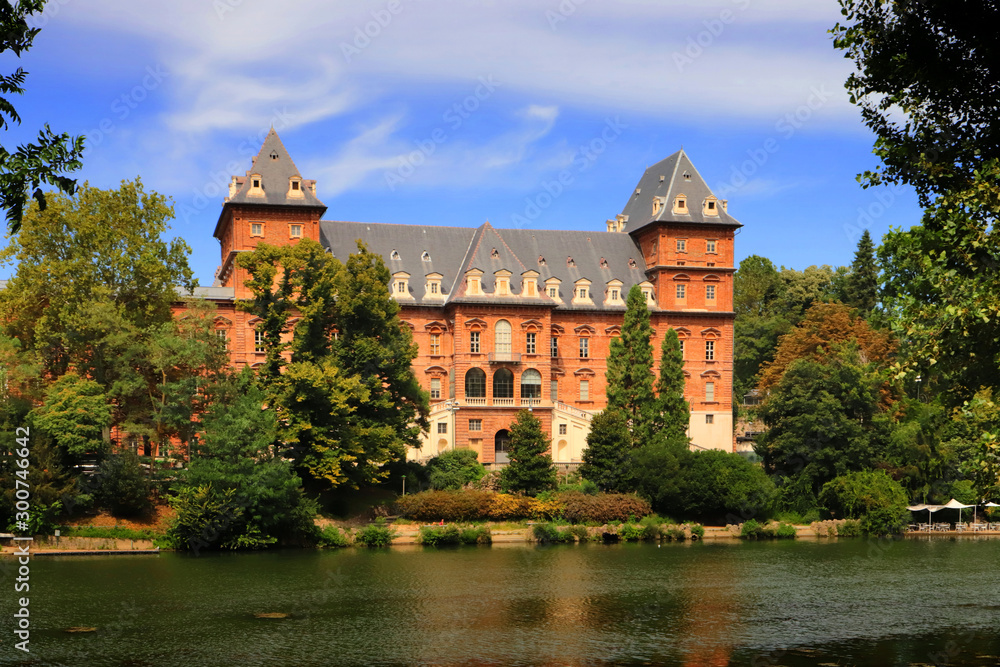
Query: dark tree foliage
point(861, 288)
point(606, 460)
point(454, 469)
point(656, 471)
point(124, 486)
point(938, 61)
point(629, 370)
point(719, 487)
point(23, 172)
point(671, 413)
point(531, 469)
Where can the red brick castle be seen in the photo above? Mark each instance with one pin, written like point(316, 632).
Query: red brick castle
point(517, 318)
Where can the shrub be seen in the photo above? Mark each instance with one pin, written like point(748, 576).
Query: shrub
point(603, 508)
point(871, 496)
point(477, 535)
point(504, 507)
point(124, 489)
point(547, 509)
point(454, 469)
point(715, 485)
point(697, 531)
point(674, 533)
point(437, 536)
point(547, 532)
point(752, 530)
point(786, 531)
point(883, 521)
point(375, 534)
point(333, 537)
point(445, 505)
point(579, 532)
point(850, 528)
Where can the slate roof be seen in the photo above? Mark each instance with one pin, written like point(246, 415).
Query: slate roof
point(666, 179)
point(452, 251)
point(275, 167)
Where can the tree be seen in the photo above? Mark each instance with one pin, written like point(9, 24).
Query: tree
point(825, 326)
point(33, 164)
point(671, 413)
point(721, 487)
point(925, 81)
point(756, 285)
point(629, 370)
point(124, 488)
point(606, 460)
point(531, 469)
point(656, 471)
point(236, 468)
point(862, 282)
point(75, 415)
point(824, 419)
point(454, 469)
point(869, 495)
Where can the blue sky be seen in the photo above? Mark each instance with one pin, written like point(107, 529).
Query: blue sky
point(458, 111)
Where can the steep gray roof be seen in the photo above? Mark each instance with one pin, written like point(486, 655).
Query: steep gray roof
point(665, 180)
point(275, 167)
point(451, 251)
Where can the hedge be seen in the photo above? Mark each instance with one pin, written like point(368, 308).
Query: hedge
point(471, 505)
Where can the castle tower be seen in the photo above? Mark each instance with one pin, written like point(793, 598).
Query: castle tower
point(686, 237)
point(271, 204)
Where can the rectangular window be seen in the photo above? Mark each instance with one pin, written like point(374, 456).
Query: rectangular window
point(529, 345)
point(709, 392)
point(554, 389)
point(434, 288)
point(295, 231)
point(584, 348)
point(710, 292)
point(258, 341)
point(435, 344)
point(682, 291)
point(710, 246)
point(474, 342)
point(709, 419)
point(401, 287)
point(614, 295)
point(582, 293)
point(709, 350)
point(562, 429)
point(681, 341)
point(553, 292)
point(475, 424)
point(682, 245)
point(555, 347)
point(221, 333)
point(435, 388)
point(584, 390)
point(256, 229)
point(442, 428)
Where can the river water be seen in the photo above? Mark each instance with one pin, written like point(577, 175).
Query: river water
point(847, 602)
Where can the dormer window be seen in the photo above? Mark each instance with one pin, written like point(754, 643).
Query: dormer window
point(256, 187)
point(541, 261)
point(494, 254)
point(581, 292)
point(295, 185)
point(658, 203)
point(552, 289)
point(614, 293)
point(432, 289)
point(570, 262)
point(529, 284)
point(426, 257)
point(501, 280)
point(687, 177)
point(631, 263)
point(401, 285)
point(680, 205)
point(394, 255)
point(647, 291)
point(711, 206)
point(604, 263)
point(474, 282)
point(274, 155)
point(295, 188)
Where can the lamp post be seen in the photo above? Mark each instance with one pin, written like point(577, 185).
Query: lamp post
point(452, 405)
point(918, 379)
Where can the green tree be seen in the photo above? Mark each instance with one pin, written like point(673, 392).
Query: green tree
point(629, 370)
point(721, 487)
point(25, 170)
point(656, 471)
point(756, 285)
point(870, 495)
point(454, 469)
point(824, 419)
point(671, 413)
point(531, 469)
point(606, 460)
point(124, 487)
point(237, 468)
point(861, 285)
point(75, 415)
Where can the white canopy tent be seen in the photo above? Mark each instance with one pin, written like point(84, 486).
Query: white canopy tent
point(951, 504)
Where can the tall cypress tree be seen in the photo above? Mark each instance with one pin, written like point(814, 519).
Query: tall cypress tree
point(862, 284)
point(630, 362)
point(672, 413)
point(606, 460)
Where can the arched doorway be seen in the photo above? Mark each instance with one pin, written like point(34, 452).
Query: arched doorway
point(501, 445)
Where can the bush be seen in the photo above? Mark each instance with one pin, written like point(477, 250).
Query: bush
point(603, 508)
point(437, 536)
point(786, 531)
point(752, 530)
point(674, 533)
point(445, 505)
point(716, 485)
point(635, 532)
point(504, 507)
point(871, 496)
point(376, 534)
point(547, 532)
point(477, 535)
point(454, 469)
point(333, 537)
point(849, 528)
point(698, 531)
point(124, 487)
point(210, 519)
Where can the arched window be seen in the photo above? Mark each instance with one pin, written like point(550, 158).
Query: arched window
point(503, 384)
point(531, 384)
point(475, 383)
point(501, 343)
